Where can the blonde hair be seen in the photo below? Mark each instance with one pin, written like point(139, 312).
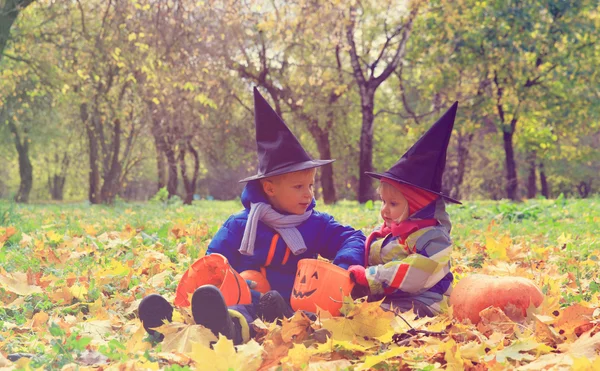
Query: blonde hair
point(278, 178)
point(387, 187)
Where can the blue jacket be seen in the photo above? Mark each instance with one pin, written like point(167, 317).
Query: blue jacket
point(322, 236)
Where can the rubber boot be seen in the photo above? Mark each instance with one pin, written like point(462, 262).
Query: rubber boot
point(152, 311)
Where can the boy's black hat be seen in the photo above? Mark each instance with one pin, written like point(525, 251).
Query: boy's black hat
point(422, 166)
point(279, 151)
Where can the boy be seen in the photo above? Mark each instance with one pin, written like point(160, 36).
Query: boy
point(276, 229)
point(408, 257)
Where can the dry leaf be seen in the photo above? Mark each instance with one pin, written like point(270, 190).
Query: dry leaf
point(495, 320)
point(224, 357)
point(574, 316)
point(586, 346)
point(17, 283)
point(297, 328)
point(179, 337)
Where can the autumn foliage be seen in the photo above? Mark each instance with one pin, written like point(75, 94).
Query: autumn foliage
point(72, 277)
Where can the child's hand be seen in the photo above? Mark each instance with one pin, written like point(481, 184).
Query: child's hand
point(357, 275)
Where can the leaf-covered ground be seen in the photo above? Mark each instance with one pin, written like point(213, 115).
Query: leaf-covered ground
point(72, 276)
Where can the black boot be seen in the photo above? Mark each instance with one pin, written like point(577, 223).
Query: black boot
point(152, 311)
point(272, 306)
point(209, 310)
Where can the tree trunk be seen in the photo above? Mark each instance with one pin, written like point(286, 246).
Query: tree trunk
point(584, 188)
point(172, 166)
point(531, 180)
point(321, 137)
point(25, 167)
point(464, 143)
point(94, 195)
point(189, 183)
point(161, 165)
point(56, 184)
point(8, 15)
point(511, 168)
point(56, 181)
point(544, 182)
point(365, 182)
point(112, 176)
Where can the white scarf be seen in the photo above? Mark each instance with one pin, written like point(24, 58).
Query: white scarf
point(285, 225)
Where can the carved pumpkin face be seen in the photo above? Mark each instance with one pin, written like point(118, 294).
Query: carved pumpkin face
point(320, 284)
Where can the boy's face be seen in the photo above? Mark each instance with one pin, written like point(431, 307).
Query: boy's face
point(291, 192)
point(394, 207)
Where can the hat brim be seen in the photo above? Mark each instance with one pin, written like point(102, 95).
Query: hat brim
point(289, 169)
point(379, 176)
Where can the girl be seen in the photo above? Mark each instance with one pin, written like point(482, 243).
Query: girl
point(408, 257)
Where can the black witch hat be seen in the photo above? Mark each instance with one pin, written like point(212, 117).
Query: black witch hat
point(422, 166)
point(279, 151)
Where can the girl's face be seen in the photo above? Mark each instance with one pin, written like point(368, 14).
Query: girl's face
point(394, 207)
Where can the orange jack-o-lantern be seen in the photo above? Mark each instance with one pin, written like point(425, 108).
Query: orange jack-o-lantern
point(320, 284)
point(262, 285)
point(214, 270)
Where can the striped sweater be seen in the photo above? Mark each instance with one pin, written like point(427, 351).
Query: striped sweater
point(417, 267)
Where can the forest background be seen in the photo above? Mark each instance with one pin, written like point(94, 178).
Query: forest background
point(103, 100)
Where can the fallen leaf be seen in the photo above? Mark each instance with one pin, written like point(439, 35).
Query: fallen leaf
point(585, 346)
point(17, 283)
point(92, 357)
point(371, 361)
point(39, 319)
point(223, 356)
point(364, 320)
point(495, 320)
point(180, 337)
point(574, 316)
point(297, 328)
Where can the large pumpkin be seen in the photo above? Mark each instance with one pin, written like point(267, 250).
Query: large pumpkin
point(320, 284)
point(474, 293)
point(262, 285)
point(213, 269)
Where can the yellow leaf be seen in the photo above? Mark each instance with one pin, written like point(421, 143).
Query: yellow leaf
point(298, 356)
point(78, 292)
point(132, 36)
point(223, 356)
point(136, 342)
point(497, 249)
point(54, 237)
point(371, 361)
point(452, 356)
point(363, 320)
point(39, 319)
point(180, 337)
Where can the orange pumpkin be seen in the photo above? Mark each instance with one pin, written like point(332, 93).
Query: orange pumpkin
point(475, 293)
point(262, 285)
point(320, 284)
point(213, 269)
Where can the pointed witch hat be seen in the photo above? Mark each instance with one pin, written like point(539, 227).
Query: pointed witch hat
point(422, 166)
point(279, 151)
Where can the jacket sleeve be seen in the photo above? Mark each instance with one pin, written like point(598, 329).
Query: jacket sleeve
point(342, 244)
point(227, 241)
point(419, 271)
